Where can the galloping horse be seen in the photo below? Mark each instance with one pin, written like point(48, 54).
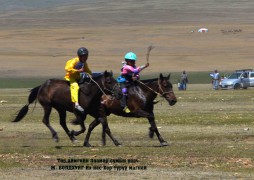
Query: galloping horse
point(55, 93)
point(140, 102)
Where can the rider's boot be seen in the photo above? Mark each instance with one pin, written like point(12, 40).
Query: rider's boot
point(79, 108)
point(123, 104)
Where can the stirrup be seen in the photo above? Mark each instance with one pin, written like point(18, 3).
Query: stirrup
point(126, 109)
point(79, 108)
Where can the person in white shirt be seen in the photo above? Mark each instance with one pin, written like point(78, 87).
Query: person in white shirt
point(216, 79)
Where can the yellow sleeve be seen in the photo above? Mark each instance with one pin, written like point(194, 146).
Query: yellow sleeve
point(70, 65)
point(86, 69)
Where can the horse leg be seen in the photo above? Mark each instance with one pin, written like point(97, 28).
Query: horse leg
point(45, 120)
point(106, 129)
point(62, 116)
point(80, 120)
point(153, 129)
point(90, 129)
point(151, 133)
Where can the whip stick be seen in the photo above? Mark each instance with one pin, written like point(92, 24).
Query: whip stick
point(149, 49)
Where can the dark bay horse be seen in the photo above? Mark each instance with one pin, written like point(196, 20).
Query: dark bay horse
point(140, 102)
point(55, 93)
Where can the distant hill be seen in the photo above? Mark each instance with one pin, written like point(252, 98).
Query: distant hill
point(30, 13)
point(39, 36)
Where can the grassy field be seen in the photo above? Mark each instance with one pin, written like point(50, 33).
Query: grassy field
point(211, 135)
point(29, 82)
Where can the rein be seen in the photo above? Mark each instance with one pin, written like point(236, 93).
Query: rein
point(149, 88)
point(100, 87)
point(112, 91)
point(163, 93)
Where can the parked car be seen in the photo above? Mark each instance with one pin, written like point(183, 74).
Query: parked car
point(243, 78)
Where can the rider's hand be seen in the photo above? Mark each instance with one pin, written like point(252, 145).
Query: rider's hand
point(135, 71)
point(147, 64)
point(134, 78)
point(81, 70)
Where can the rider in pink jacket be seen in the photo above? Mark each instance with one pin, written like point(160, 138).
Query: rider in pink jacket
point(129, 73)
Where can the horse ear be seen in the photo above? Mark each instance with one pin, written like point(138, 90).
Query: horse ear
point(105, 73)
point(169, 76)
point(161, 76)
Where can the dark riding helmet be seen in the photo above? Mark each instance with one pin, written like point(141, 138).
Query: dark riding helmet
point(82, 51)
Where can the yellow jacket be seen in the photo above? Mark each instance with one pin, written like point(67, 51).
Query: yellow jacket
point(71, 72)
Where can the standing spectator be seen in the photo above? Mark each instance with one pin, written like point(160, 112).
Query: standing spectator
point(216, 79)
point(184, 80)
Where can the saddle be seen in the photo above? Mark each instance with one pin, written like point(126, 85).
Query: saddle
point(85, 77)
point(85, 82)
point(135, 90)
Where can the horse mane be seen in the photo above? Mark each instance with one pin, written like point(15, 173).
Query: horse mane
point(86, 78)
point(97, 76)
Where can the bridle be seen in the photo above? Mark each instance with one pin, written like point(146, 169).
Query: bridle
point(163, 93)
point(103, 87)
point(111, 91)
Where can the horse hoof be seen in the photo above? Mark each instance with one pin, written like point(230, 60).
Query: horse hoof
point(56, 140)
point(103, 142)
point(164, 144)
point(74, 141)
point(117, 143)
point(87, 144)
point(151, 134)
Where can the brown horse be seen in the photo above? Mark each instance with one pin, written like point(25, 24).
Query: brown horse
point(55, 93)
point(140, 102)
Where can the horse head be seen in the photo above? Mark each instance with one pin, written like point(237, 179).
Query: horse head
point(166, 89)
point(110, 85)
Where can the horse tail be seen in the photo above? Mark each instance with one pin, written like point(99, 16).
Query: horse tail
point(31, 98)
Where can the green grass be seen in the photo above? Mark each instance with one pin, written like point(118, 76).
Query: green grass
point(29, 82)
point(206, 130)
point(21, 82)
point(201, 77)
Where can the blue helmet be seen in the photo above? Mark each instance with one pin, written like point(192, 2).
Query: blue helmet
point(130, 56)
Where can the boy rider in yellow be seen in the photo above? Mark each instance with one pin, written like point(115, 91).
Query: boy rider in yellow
point(73, 75)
